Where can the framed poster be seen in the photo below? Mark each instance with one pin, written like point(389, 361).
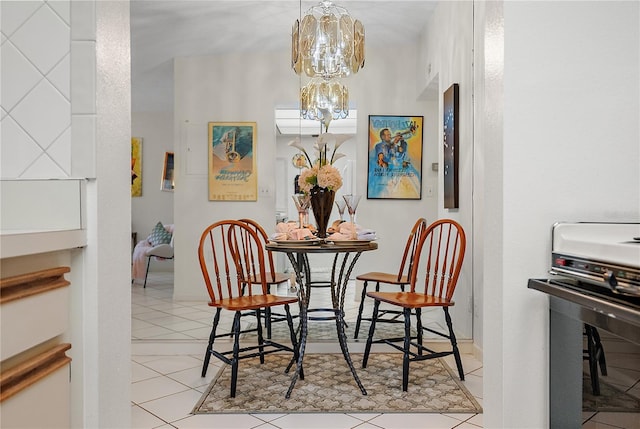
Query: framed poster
point(232, 161)
point(450, 147)
point(167, 183)
point(395, 157)
point(136, 166)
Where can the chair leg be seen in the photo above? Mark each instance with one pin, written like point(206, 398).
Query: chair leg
point(419, 338)
point(599, 351)
point(212, 337)
point(360, 309)
point(147, 273)
point(592, 354)
point(372, 328)
point(454, 344)
point(407, 345)
point(236, 353)
point(267, 321)
point(259, 332)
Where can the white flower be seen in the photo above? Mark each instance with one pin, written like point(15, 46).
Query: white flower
point(298, 145)
point(341, 138)
point(337, 156)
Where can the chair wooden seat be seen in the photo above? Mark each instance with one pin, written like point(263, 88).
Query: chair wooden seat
point(401, 278)
point(410, 299)
point(253, 302)
point(443, 245)
point(388, 278)
point(273, 278)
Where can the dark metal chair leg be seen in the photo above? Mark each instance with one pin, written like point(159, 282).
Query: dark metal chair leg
point(147, 273)
point(236, 352)
point(419, 336)
point(599, 351)
point(454, 344)
point(407, 345)
point(360, 309)
point(372, 329)
point(212, 337)
point(592, 357)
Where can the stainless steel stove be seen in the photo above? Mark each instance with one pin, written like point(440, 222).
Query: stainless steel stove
point(604, 255)
point(595, 281)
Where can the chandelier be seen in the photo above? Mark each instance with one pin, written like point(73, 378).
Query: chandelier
point(327, 43)
point(324, 100)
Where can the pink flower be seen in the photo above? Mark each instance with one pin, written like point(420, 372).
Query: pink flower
point(322, 173)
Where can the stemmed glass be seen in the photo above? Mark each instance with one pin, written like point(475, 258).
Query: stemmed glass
point(341, 205)
point(302, 202)
point(352, 204)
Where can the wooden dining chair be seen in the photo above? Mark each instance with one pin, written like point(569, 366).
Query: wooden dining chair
point(272, 277)
point(441, 247)
point(401, 278)
point(231, 256)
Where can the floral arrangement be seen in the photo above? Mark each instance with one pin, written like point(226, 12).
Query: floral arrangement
point(321, 172)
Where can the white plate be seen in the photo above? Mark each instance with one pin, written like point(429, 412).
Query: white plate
point(351, 242)
point(297, 242)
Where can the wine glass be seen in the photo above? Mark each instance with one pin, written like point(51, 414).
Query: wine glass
point(302, 202)
point(341, 206)
point(352, 204)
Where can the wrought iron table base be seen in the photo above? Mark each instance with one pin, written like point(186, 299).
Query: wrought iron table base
point(338, 290)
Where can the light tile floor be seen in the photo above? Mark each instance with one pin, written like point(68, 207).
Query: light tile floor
point(168, 344)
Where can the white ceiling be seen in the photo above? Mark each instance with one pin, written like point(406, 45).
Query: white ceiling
point(164, 29)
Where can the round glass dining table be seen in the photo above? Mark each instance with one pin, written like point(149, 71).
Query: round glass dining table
point(346, 254)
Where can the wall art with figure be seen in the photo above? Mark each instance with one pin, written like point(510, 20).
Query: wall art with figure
point(136, 166)
point(232, 161)
point(395, 157)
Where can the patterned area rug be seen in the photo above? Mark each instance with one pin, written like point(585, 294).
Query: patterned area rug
point(329, 387)
point(610, 399)
point(326, 331)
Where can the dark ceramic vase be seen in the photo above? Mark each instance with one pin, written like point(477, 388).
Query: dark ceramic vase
point(322, 204)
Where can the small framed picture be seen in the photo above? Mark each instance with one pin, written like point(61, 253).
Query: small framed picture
point(167, 183)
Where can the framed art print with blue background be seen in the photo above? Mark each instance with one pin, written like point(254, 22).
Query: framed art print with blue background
point(395, 157)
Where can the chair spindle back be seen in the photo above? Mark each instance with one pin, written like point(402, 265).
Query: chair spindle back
point(264, 239)
point(442, 245)
point(409, 254)
point(230, 254)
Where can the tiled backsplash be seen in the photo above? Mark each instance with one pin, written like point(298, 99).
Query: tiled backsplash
point(41, 103)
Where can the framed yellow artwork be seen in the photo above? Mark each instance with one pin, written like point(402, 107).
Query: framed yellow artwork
point(232, 161)
point(136, 166)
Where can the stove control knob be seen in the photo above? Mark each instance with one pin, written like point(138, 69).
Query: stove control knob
point(610, 278)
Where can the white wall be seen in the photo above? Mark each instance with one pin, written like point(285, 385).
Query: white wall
point(155, 205)
point(380, 88)
point(446, 57)
point(568, 151)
